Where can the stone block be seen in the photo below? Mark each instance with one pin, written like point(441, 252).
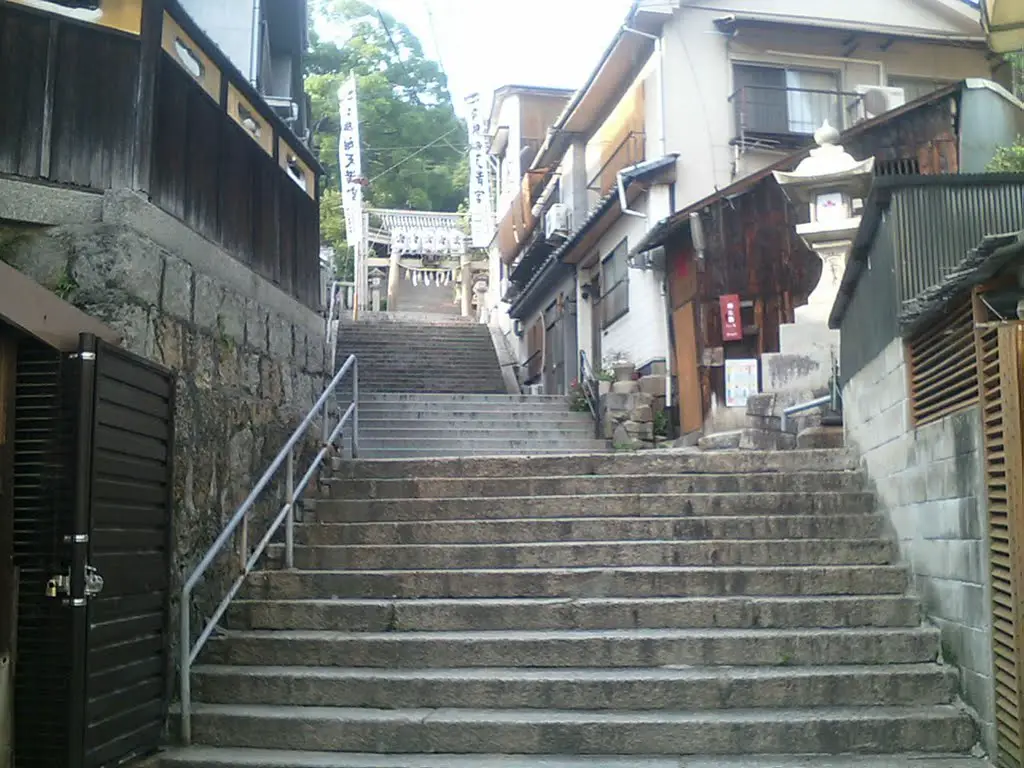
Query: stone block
point(761, 404)
point(115, 264)
point(653, 385)
point(625, 387)
point(231, 321)
point(820, 438)
point(177, 289)
point(643, 413)
point(639, 430)
point(765, 440)
point(615, 401)
point(721, 441)
point(209, 298)
point(255, 326)
point(280, 338)
point(134, 323)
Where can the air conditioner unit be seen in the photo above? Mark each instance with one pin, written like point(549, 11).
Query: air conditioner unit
point(556, 222)
point(876, 100)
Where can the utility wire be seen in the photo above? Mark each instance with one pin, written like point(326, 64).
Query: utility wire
point(440, 138)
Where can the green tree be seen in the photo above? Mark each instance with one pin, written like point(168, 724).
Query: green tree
point(1008, 159)
point(413, 144)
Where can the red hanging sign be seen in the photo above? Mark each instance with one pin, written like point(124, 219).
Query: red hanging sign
point(732, 323)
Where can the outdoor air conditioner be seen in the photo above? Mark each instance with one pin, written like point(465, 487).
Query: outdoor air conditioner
point(876, 100)
point(556, 222)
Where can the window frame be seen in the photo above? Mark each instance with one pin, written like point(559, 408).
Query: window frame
point(621, 250)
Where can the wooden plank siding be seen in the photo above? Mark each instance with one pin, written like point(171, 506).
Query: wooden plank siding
point(97, 108)
point(944, 365)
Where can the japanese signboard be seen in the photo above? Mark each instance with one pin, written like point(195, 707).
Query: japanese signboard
point(351, 162)
point(740, 382)
point(481, 215)
point(732, 322)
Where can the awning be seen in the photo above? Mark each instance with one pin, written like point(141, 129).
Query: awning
point(28, 306)
point(518, 223)
point(1003, 21)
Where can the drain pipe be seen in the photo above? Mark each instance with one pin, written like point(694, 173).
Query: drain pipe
point(623, 201)
point(254, 56)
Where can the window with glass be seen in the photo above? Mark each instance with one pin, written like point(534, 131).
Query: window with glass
point(615, 278)
point(785, 100)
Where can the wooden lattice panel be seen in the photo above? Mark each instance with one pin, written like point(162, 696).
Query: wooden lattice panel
point(944, 366)
point(1000, 376)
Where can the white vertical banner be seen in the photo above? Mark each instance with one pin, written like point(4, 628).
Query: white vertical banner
point(351, 168)
point(480, 213)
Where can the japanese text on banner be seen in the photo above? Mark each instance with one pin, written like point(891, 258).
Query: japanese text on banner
point(481, 216)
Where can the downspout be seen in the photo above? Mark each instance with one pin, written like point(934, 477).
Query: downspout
point(254, 56)
point(659, 51)
point(623, 201)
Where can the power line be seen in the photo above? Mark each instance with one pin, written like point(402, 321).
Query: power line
point(440, 138)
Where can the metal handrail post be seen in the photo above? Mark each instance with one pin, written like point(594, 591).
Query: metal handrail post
point(289, 523)
point(355, 410)
point(185, 670)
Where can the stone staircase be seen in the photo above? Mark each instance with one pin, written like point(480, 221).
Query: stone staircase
point(422, 353)
point(432, 386)
point(402, 425)
point(590, 611)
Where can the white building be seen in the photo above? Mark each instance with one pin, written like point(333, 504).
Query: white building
point(687, 99)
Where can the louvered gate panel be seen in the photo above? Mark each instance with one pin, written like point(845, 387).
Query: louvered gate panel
point(1000, 374)
point(42, 511)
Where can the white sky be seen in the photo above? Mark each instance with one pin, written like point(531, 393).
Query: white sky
point(485, 44)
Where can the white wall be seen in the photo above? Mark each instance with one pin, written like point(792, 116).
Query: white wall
point(701, 118)
point(229, 25)
point(929, 482)
point(642, 333)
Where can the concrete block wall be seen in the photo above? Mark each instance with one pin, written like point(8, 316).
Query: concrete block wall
point(930, 483)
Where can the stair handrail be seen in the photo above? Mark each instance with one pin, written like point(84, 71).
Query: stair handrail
point(589, 385)
point(188, 650)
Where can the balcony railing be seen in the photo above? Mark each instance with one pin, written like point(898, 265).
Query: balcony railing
point(630, 151)
point(141, 99)
point(775, 116)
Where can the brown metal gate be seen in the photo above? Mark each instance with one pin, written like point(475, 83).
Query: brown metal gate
point(93, 490)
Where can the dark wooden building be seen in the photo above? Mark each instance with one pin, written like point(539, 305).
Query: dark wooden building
point(752, 249)
point(133, 95)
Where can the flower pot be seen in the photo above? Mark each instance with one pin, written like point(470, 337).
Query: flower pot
point(603, 388)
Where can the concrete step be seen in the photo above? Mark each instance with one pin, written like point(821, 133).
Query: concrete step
point(646, 581)
point(212, 757)
point(456, 415)
point(483, 446)
point(398, 397)
point(370, 424)
point(667, 461)
point(578, 648)
point(683, 690)
point(398, 452)
point(570, 529)
point(942, 728)
point(591, 505)
point(461, 487)
point(389, 615)
point(614, 554)
point(403, 431)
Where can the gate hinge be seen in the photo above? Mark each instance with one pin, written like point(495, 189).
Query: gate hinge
point(60, 585)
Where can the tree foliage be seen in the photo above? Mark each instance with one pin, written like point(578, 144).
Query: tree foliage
point(1008, 159)
point(413, 144)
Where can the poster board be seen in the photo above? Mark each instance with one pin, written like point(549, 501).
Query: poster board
point(740, 382)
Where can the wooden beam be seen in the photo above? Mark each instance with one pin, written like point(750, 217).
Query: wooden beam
point(150, 40)
point(46, 141)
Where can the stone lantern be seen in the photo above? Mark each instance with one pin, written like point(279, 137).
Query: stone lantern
point(376, 281)
point(827, 182)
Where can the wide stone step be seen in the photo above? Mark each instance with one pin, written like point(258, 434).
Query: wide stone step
point(482, 441)
point(615, 554)
point(581, 582)
point(574, 529)
point(592, 505)
point(670, 461)
point(375, 425)
point(942, 728)
point(685, 690)
point(415, 414)
point(493, 431)
point(490, 487)
point(388, 615)
point(541, 400)
point(212, 757)
point(578, 648)
point(399, 452)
